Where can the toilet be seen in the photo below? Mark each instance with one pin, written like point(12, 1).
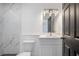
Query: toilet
point(27, 48)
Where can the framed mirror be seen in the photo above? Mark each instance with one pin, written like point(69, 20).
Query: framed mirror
point(48, 20)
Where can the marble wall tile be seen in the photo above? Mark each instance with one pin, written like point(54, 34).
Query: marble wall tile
point(10, 41)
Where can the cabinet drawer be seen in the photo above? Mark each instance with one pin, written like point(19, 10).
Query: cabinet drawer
point(50, 41)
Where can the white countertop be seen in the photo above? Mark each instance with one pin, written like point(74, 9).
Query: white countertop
point(52, 36)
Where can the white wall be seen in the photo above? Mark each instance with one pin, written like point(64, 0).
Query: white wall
point(31, 22)
point(58, 24)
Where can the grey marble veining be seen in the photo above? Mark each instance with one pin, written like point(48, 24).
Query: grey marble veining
point(10, 25)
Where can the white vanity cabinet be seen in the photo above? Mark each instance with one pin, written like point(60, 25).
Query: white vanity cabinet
point(49, 47)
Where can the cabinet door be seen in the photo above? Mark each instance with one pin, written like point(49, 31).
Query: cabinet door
point(66, 19)
point(77, 20)
point(72, 19)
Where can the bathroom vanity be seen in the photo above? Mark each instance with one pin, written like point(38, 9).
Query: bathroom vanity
point(49, 45)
